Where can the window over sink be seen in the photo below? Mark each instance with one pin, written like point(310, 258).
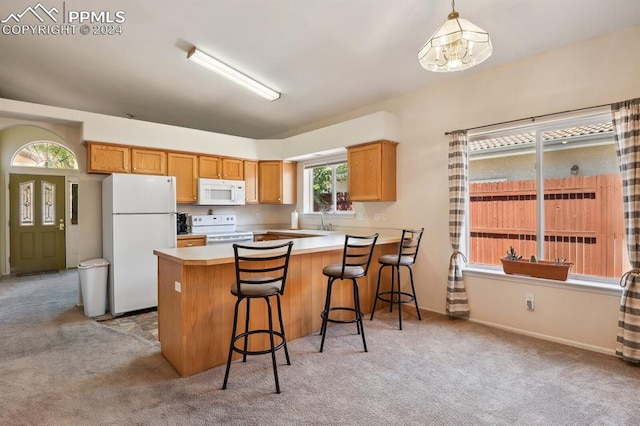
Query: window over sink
point(325, 188)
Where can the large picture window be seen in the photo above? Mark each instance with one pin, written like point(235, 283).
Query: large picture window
point(326, 187)
point(551, 190)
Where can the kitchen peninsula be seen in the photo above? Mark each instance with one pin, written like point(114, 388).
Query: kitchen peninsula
point(195, 305)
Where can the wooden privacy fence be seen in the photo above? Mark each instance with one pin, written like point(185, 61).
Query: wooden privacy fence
point(583, 222)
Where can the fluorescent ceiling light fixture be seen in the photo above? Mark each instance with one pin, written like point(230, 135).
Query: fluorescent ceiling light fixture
point(212, 64)
point(456, 46)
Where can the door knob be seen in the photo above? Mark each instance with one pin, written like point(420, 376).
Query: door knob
point(61, 225)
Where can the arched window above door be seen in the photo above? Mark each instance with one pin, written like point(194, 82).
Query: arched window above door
point(45, 154)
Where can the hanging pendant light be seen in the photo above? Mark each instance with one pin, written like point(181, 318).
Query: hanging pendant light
point(456, 46)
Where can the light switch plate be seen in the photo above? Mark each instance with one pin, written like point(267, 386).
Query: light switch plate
point(178, 286)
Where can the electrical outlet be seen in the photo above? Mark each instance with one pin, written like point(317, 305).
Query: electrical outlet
point(383, 216)
point(376, 216)
point(360, 216)
point(178, 286)
point(530, 302)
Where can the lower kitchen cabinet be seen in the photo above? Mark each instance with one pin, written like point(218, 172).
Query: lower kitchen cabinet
point(191, 240)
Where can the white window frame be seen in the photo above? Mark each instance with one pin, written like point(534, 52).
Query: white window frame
point(307, 207)
point(550, 124)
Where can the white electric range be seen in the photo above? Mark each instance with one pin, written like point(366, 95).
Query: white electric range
point(219, 228)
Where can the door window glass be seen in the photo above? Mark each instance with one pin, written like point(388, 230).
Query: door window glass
point(26, 203)
point(48, 203)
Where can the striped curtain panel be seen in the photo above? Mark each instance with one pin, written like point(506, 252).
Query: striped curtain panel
point(457, 303)
point(626, 125)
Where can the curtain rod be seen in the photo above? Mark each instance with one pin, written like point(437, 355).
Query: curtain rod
point(533, 118)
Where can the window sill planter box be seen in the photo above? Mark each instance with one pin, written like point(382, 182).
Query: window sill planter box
point(540, 269)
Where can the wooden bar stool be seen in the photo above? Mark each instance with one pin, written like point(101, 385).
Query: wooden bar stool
point(406, 256)
point(356, 257)
point(261, 273)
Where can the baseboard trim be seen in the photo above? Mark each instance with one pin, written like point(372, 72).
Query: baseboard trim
point(554, 339)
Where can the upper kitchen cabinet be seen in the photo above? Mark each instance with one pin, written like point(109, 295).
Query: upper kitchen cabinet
point(185, 168)
point(108, 158)
point(277, 182)
point(220, 168)
point(209, 167)
point(232, 168)
point(148, 161)
point(372, 171)
point(250, 182)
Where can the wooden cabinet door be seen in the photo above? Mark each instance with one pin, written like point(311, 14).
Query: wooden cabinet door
point(364, 173)
point(107, 158)
point(210, 167)
point(372, 171)
point(232, 168)
point(270, 182)
point(191, 241)
point(277, 182)
point(289, 182)
point(148, 162)
point(185, 168)
point(250, 182)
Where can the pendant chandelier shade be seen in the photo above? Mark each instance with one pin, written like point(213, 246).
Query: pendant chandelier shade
point(457, 45)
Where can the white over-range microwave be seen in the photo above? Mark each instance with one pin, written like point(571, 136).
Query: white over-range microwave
point(219, 192)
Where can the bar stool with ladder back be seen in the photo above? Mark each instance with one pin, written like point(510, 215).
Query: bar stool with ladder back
point(261, 273)
point(406, 256)
point(356, 258)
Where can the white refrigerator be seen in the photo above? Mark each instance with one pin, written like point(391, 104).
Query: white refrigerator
point(138, 216)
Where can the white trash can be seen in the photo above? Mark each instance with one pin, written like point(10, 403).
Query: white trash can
point(93, 275)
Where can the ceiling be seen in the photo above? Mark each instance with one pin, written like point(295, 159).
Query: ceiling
point(326, 57)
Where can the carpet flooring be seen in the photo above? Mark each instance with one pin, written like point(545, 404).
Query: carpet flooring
point(58, 367)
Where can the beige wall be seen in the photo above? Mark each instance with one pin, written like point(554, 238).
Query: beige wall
point(599, 71)
point(568, 78)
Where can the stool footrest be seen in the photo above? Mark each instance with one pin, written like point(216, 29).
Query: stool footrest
point(261, 351)
point(358, 315)
point(395, 297)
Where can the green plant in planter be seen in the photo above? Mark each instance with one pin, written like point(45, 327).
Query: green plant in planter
point(512, 255)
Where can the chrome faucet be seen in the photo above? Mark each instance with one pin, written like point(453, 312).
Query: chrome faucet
point(322, 226)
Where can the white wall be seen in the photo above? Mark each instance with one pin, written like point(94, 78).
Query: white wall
point(595, 72)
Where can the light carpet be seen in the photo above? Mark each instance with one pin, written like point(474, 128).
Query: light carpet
point(58, 367)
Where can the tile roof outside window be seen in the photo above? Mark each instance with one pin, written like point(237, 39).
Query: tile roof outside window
point(528, 138)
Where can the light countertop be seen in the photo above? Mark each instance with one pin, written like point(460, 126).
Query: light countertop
point(223, 253)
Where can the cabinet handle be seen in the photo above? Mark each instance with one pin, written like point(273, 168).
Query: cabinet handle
point(189, 244)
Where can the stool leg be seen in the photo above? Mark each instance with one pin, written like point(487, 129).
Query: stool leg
point(399, 297)
point(393, 288)
point(356, 294)
point(273, 350)
point(246, 331)
point(375, 299)
point(233, 337)
point(325, 313)
point(284, 339)
point(415, 299)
